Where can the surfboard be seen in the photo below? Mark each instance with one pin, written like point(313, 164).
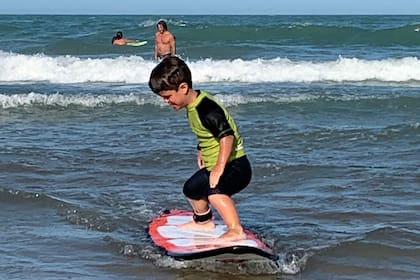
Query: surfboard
point(186, 244)
point(137, 43)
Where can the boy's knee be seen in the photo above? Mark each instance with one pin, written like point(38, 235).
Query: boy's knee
point(190, 192)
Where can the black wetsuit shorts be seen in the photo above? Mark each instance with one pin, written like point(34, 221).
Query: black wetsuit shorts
point(235, 178)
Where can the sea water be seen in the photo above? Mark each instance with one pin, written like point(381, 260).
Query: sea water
point(328, 107)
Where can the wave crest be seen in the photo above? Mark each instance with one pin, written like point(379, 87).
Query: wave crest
point(135, 69)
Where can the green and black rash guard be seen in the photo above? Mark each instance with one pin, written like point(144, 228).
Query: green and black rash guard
point(210, 121)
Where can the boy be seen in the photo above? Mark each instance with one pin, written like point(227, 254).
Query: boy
point(224, 166)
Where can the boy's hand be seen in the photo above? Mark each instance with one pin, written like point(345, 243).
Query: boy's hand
point(225, 148)
point(215, 174)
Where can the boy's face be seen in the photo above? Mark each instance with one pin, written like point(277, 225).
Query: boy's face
point(177, 99)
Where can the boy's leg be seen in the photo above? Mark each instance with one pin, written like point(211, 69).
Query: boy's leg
point(196, 189)
point(201, 209)
point(199, 206)
point(235, 178)
point(225, 206)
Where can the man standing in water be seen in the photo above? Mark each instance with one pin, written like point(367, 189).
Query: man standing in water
point(165, 43)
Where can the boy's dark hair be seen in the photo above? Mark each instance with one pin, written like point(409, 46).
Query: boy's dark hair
point(169, 74)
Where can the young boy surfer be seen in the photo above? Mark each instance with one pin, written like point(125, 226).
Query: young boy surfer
point(224, 168)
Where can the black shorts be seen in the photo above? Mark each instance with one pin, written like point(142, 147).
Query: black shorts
point(162, 56)
point(235, 178)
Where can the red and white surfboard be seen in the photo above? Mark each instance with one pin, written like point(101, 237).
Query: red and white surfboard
point(191, 244)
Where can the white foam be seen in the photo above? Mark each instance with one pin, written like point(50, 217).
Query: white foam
point(135, 69)
point(143, 98)
point(285, 70)
point(65, 100)
point(70, 69)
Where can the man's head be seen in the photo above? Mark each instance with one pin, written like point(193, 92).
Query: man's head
point(161, 26)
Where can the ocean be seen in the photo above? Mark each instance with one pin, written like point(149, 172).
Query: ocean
point(328, 107)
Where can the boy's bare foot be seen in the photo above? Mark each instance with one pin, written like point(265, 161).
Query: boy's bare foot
point(232, 235)
point(192, 225)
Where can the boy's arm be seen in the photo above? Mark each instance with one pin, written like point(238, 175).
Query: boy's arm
point(225, 149)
